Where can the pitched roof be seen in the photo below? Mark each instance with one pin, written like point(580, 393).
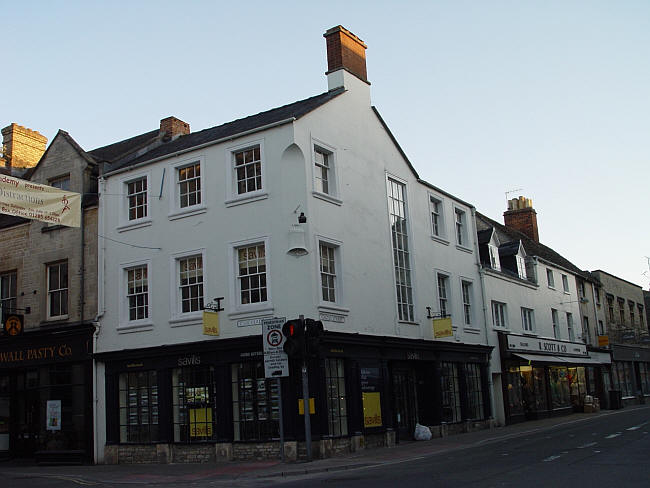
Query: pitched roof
point(531, 247)
point(120, 149)
point(293, 110)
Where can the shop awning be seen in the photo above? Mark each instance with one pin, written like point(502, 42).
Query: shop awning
point(544, 358)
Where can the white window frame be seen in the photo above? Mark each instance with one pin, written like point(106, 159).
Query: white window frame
point(466, 293)
point(555, 321)
point(521, 266)
point(234, 197)
point(333, 195)
point(175, 209)
point(178, 317)
point(528, 318)
point(495, 262)
point(49, 292)
point(461, 228)
point(441, 234)
point(550, 279)
point(499, 314)
point(125, 324)
point(569, 326)
point(411, 306)
point(565, 283)
point(446, 299)
point(586, 333)
point(10, 295)
point(236, 307)
point(124, 222)
point(601, 328)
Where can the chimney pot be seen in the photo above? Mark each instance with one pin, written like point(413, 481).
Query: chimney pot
point(521, 216)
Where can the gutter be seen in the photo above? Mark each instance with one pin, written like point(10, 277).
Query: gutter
point(201, 146)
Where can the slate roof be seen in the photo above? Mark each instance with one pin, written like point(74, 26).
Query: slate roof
point(484, 236)
point(120, 149)
point(295, 110)
point(531, 247)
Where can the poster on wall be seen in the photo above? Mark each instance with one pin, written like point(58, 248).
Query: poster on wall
point(371, 397)
point(54, 415)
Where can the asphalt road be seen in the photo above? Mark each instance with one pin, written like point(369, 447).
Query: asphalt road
point(612, 451)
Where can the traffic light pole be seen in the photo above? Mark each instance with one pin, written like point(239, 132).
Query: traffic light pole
point(305, 400)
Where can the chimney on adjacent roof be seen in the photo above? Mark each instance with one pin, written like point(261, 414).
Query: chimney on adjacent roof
point(22, 148)
point(345, 51)
point(521, 216)
point(171, 128)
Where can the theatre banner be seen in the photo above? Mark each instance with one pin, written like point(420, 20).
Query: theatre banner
point(22, 198)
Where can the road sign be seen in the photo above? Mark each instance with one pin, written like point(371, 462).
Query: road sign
point(276, 361)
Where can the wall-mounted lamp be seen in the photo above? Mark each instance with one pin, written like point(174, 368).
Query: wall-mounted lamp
point(297, 246)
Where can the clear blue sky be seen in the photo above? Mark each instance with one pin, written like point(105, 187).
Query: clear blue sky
point(552, 97)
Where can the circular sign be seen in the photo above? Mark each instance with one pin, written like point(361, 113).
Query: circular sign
point(274, 338)
point(13, 325)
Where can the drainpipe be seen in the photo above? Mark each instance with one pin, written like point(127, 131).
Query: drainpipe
point(481, 274)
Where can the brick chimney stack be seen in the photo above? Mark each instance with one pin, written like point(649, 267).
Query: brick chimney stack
point(345, 51)
point(521, 216)
point(171, 128)
point(22, 148)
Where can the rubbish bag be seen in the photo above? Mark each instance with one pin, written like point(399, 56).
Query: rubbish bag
point(422, 433)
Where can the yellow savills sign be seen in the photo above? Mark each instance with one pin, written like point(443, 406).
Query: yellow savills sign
point(22, 198)
point(442, 328)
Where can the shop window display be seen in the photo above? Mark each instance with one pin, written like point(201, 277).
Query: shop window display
point(475, 408)
point(255, 403)
point(193, 404)
point(559, 384)
point(450, 393)
point(138, 407)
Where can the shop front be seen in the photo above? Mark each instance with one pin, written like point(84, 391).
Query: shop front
point(546, 377)
point(631, 373)
point(46, 395)
point(210, 400)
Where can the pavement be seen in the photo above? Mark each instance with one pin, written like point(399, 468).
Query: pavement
point(177, 474)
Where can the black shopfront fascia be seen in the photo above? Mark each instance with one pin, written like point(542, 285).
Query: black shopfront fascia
point(386, 354)
point(42, 349)
point(218, 354)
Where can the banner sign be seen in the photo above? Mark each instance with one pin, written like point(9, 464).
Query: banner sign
point(22, 198)
point(210, 323)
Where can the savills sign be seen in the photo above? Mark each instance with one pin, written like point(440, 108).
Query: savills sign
point(517, 343)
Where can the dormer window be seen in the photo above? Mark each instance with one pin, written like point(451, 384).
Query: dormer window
point(521, 267)
point(494, 257)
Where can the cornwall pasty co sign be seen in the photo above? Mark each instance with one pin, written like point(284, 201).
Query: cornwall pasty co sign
point(29, 200)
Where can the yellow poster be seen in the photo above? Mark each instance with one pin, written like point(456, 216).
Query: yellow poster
point(22, 198)
point(442, 328)
point(200, 422)
point(371, 409)
point(603, 340)
point(301, 406)
point(210, 323)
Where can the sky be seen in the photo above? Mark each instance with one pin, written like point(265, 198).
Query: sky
point(545, 99)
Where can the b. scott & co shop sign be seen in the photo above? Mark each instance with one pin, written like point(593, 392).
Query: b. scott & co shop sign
point(517, 343)
point(69, 349)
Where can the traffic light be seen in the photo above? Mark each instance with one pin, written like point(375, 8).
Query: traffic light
point(313, 332)
point(294, 331)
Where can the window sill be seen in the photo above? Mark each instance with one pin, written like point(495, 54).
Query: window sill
point(136, 224)
point(471, 330)
point(408, 322)
point(439, 239)
point(190, 319)
point(251, 311)
point(135, 327)
point(501, 329)
point(187, 212)
point(464, 249)
point(58, 318)
point(332, 307)
point(328, 198)
point(246, 198)
point(567, 292)
point(551, 287)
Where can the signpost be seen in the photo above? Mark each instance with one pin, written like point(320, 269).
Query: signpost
point(276, 362)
